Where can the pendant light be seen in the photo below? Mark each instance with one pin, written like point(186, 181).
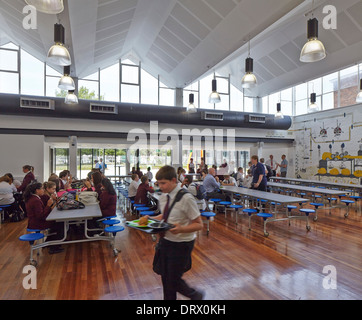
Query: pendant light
point(66, 82)
point(279, 114)
point(313, 107)
point(58, 54)
point(191, 108)
point(314, 49)
point(71, 98)
point(47, 6)
point(249, 79)
point(214, 96)
point(359, 96)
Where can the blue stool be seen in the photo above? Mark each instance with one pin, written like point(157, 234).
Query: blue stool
point(356, 198)
point(236, 207)
point(31, 238)
point(114, 230)
point(208, 215)
point(147, 213)
point(215, 201)
point(265, 217)
point(307, 212)
point(347, 202)
point(225, 204)
point(289, 210)
point(250, 212)
point(110, 222)
point(316, 207)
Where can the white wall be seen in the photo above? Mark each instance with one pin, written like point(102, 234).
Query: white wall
point(20, 150)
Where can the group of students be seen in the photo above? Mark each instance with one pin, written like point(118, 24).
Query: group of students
point(38, 199)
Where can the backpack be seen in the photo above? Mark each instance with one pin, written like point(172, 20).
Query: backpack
point(201, 192)
point(67, 202)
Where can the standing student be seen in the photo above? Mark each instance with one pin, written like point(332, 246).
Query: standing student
point(283, 166)
point(191, 166)
point(29, 177)
point(175, 247)
point(96, 182)
point(240, 176)
point(259, 177)
point(149, 174)
point(272, 164)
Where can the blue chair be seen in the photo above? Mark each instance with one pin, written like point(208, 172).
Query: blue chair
point(307, 212)
point(347, 202)
point(237, 207)
point(147, 213)
point(208, 215)
point(316, 207)
point(31, 238)
point(250, 213)
point(225, 204)
point(265, 217)
point(356, 198)
point(113, 230)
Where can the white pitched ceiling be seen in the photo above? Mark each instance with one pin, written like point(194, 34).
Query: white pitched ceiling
point(181, 39)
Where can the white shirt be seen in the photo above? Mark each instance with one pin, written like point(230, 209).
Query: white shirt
point(269, 163)
point(201, 203)
point(6, 193)
point(182, 213)
point(231, 180)
point(132, 189)
point(149, 175)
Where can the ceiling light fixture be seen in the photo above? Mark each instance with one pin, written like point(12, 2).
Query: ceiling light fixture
point(249, 79)
point(214, 96)
point(66, 82)
point(47, 6)
point(313, 50)
point(313, 107)
point(279, 114)
point(359, 96)
point(58, 54)
point(191, 108)
point(71, 98)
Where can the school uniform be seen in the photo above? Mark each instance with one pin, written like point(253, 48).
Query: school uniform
point(142, 193)
point(29, 177)
point(37, 212)
point(108, 204)
point(175, 249)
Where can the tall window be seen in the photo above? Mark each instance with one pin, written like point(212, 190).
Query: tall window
point(32, 75)
point(130, 82)
point(167, 95)
point(349, 83)
point(88, 87)
point(52, 78)
point(109, 83)
point(9, 69)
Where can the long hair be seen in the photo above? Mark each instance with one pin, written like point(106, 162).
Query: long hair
point(108, 186)
point(31, 189)
point(97, 178)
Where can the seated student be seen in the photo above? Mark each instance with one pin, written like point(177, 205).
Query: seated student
point(49, 192)
point(64, 180)
point(240, 176)
point(29, 177)
point(248, 180)
point(133, 171)
point(142, 191)
point(14, 183)
point(139, 172)
point(133, 186)
point(203, 174)
point(108, 198)
point(7, 194)
point(229, 181)
point(37, 214)
point(192, 188)
point(56, 180)
point(96, 182)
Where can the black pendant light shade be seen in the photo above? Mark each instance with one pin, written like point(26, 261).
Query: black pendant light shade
point(58, 54)
point(214, 96)
point(191, 108)
point(279, 114)
point(314, 49)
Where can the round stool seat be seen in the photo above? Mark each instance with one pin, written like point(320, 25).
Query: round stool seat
point(262, 200)
point(215, 200)
point(264, 215)
point(147, 213)
point(273, 203)
point(31, 237)
point(291, 207)
point(236, 206)
point(355, 197)
point(33, 230)
point(132, 201)
point(114, 229)
point(225, 203)
point(208, 214)
point(110, 222)
point(347, 202)
point(332, 199)
point(110, 217)
point(302, 193)
point(248, 210)
point(139, 205)
point(317, 196)
point(307, 210)
point(140, 209)
point(316, 204)
point(5, 205)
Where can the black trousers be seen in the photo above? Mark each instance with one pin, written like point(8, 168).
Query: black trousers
point(175, 260)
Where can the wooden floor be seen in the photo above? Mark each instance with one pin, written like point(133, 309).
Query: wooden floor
point(232, 263)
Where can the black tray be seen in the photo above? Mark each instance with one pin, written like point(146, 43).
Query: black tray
point(150, 230)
